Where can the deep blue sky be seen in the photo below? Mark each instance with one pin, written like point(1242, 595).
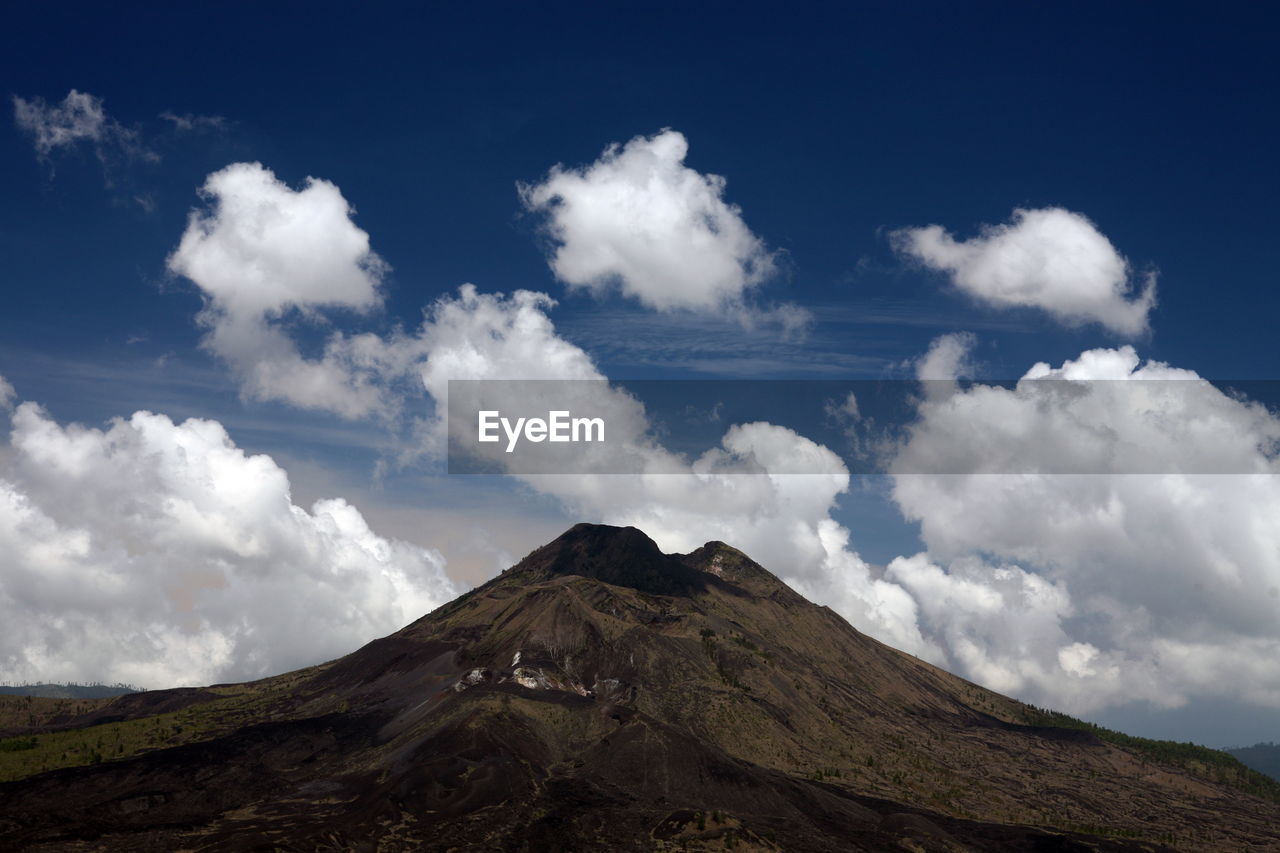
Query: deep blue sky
point(830, 124)
point(833, 124)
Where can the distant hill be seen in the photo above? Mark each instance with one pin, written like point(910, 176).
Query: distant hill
point(601, 695)
point(1263, 757)
point(68, 691)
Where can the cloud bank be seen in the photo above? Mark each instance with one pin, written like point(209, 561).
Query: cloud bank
point(1073, 591)
point(161, 554)
point(1114, 586)
point(1051, 259)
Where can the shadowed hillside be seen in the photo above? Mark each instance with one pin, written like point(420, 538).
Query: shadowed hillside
point(602, 695)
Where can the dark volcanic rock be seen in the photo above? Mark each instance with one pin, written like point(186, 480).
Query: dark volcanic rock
point(622, 556)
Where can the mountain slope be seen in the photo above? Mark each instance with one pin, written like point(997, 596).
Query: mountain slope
point(603, 695)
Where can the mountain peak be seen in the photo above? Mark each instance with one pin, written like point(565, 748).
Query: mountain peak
point(622, 556)
point(731, 565)
point(596, 536)
point(626, 556)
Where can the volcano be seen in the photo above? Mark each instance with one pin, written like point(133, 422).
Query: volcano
point(603, 695)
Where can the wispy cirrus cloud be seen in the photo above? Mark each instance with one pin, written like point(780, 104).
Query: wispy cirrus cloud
point(715, 345)
point(189, 122)
point(80, 123)
point(79, 120)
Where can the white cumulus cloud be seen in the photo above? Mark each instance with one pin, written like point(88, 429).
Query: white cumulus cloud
point(265, 248)
point(640, 220)
point(263, 254)
point(1003, 627)
point(947, 358)
point(158, 553)
point(277, 265)
point(1051, 259)
point(1130, 506)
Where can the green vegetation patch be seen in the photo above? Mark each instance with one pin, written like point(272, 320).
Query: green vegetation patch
point(1209, 764)
point(17, 744)
point(94, 744)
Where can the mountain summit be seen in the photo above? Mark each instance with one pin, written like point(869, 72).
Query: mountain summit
point(603, 695)
point(621, 556)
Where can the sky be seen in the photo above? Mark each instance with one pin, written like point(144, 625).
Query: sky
point(246, 247)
